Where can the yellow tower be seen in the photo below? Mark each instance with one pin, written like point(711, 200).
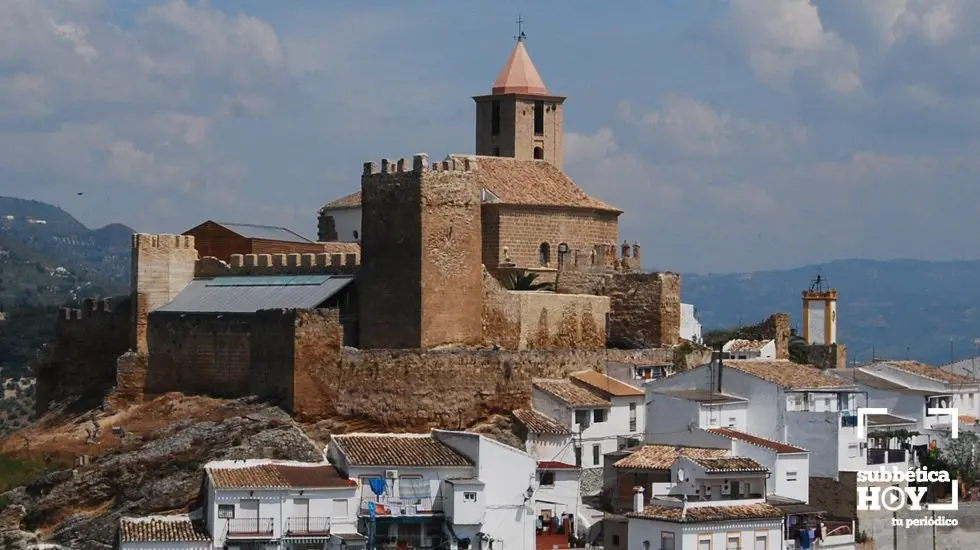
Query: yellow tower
point(820, 313)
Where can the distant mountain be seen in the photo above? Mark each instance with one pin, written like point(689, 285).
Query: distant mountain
point(900, 308)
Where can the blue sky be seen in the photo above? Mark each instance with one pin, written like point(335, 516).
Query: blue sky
point(737, 134)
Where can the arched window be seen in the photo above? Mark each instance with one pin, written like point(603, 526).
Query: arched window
point(562, 255)
point(538, 153)
point(544, 254)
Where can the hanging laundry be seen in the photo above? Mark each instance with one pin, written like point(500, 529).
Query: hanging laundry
point(378, 486)
point(805, 539)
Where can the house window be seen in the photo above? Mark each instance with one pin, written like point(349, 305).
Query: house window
point(704, 542)
point(582, 418)
point(578, 457)
point(731, 421)
point(339, 508)
point(853, 450)
point(599, 415)
point(632, 417)
point(596, 455)
point(733, 541)
point(790, 476)
point(538, 153)
point(413, 487)
point(538, 118)
point(495, 118)
point(544, 254)
point(761, 541)
point(547, 479)
point(496, 151)
point(469, 496)
point(615, 540)
point(226, 511)
point(666, 540)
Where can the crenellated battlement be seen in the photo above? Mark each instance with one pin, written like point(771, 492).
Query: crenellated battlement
point(420, 164)
point(278, 264)
point(604, 258)
point(94, 310)
point(148, 241)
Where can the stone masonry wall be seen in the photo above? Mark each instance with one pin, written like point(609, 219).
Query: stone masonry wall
point(830, 356)
point(80, 364)
point(645, 309)
point(522, 229)
point(198, 354)
point(421, 277)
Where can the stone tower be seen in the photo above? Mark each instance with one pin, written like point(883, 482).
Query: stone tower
point(820, 313)
point(520, 119)
point(162, 266)
point(421, 277)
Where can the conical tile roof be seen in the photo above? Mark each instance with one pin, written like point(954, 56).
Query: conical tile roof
point(519, 75)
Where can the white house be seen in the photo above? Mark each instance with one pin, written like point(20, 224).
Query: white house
point(545, 438)
point(705, 506)
point(786, 402)
point(690, 325)
point(269, 502)
point(178, 532)
point(344, 215)
point(605, 414)
point(258, 503)
point(455, 488)
point(637, 374)
point(750, 349)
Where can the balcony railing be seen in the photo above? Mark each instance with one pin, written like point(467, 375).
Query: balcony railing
point(250, 527)
point(307, 526)
point(410, 506)
point(886, 456)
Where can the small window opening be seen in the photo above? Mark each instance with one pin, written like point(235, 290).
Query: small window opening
point(544, 254)
point(538, 153)
point(495, 117)
point(538, 118)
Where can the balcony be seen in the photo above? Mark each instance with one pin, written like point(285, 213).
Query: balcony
point(885, 456)
point(250, 527)
point(306, 527)
point(401, 507)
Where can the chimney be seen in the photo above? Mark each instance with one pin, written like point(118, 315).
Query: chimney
point(637, 499)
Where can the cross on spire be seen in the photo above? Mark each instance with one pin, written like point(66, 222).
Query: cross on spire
point(520, 30)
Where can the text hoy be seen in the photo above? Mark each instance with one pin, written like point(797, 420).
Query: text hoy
point(897, 498)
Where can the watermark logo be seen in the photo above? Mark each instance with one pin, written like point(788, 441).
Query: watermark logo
point(905, 489)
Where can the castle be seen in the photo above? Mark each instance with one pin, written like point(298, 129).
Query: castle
point(401, 311)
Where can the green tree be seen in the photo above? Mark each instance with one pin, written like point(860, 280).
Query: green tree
point(797, 347)
point(525, 281)
point(962, 455)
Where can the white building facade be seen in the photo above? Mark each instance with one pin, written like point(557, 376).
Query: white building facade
point(690, 325)
point(750, 349)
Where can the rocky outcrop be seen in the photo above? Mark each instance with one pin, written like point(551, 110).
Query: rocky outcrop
point(148, 470)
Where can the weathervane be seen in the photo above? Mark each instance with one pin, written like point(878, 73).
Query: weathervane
point(520, 30)
point(819, 284)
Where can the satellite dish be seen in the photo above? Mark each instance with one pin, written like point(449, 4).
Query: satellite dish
point(680, 475)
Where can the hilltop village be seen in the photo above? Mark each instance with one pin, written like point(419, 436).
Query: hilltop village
point(446, 291)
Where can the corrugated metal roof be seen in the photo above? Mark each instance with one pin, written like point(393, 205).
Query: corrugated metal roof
point(267, 232)
point(251, 294)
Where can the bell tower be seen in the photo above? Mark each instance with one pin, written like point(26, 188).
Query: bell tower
point(519, 118)
point(820, 313)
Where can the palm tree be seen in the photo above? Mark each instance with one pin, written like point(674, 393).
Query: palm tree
point(525, 281)
point(797, 347)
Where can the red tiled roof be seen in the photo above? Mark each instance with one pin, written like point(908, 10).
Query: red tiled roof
point(538, 423)
point(785, 373)
point(570, 394)
point(781, 448)
point(700, 514)
point(347, 201)
point(928, 371)
point(605, 384)
point(746, 345)
point(552, 465)
point(728, 464)
point(661, 457)
point(162, 529)
point(398, 450)
point(278, 476)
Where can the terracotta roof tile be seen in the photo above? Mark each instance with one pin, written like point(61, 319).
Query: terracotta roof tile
point(531, 183)
point(552, 465)
point(538, 423)
point(746, 345)
point(398, 450)
point(863, 377)
point(569, 393)
point(278, 476)
point(661, 457)
point(347, 201)
point(515, 182)
point(967, 419)
point(786, 374)
point(606, 385)
point(162, 529)
point(928, 371)
point(701, 396)
point(781, 448)
point(519, 76)
point(728, 464)
point(702, 514)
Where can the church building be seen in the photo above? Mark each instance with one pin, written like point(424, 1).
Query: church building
point(533, 215)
